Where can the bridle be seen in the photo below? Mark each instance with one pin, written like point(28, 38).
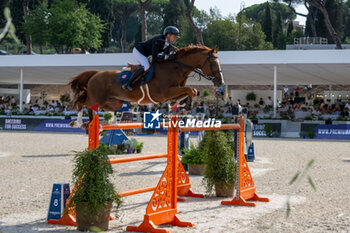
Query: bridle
point(198, 71)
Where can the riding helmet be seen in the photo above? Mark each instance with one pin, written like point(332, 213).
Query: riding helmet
point(171, 30)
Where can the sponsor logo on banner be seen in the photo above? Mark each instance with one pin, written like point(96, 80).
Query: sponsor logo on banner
point(151, 120)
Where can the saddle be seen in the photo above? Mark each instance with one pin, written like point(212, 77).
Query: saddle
point(145, 77)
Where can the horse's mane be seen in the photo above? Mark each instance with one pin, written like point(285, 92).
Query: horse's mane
point(191, 50)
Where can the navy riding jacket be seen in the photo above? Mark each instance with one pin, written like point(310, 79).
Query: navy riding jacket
point(152, 47)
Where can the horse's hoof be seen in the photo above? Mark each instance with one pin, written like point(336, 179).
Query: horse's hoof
point(73, 124)
point(85, 126)
point(188, 105)
point(194, 92)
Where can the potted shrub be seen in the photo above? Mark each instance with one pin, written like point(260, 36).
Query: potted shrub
point(251, 96)
point(130, 145)
point(139, 146)
point(205, 93)
point(95, 193)
point(268, 130)
point(194, 158)
point(221, 168)
point(107, 117)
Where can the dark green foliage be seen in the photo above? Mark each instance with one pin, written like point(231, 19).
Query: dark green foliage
point(309, 133)
point(194, 155)
point(257, 12)
point(3, 4)
point(95, 188)
point(335, 9)
point(103, 9)
point(218, 153)
point(290, 28)
point(16, 7)
point(224, 33)
point(37, 26)
point(71, 25)
point(277, 30)
point(267, 23)
point(251, 96)
point(107, 116)
point(268, 130)
point(175, 13)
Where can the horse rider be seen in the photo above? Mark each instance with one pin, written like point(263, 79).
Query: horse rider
point(159, 47)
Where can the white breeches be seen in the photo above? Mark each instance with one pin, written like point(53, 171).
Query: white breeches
point(140, 58)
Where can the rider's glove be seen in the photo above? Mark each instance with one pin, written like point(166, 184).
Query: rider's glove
point(161, 56)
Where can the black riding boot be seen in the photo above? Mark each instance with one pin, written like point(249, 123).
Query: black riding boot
point(139, 71)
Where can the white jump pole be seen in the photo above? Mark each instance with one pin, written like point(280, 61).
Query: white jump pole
point(274, 91)
point(21, 91)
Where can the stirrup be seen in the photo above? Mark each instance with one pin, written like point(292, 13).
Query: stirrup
point(127, 87)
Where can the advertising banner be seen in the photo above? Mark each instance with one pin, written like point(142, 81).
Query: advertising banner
point(332, 131)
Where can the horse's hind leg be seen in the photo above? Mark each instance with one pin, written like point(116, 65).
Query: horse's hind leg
point(91, 117)
point(79, 121)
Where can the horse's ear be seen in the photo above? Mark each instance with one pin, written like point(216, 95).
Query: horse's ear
point(215, 49)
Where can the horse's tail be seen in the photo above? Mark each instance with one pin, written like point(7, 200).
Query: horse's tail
point(78, 84)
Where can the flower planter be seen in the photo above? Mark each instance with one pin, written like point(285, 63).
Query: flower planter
point(196, 169)
point(130, 151)
point(222, 190)
point(86, 220)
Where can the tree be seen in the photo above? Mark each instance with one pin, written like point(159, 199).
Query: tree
point(277, 29)
point(123, 9)
point(71, 25)
point(9, 28)
point(197, 32)
point(28, 36)
point(321, 6)
point(142, 11)
point(335, 12)
point(36, 25)
point(174, 12)
point(256, 12)
point(3, 4)
point(224, 34)
point(103, 9)
point(267, 24)
point(17, 12)
point(346, 19)
point(290, 28)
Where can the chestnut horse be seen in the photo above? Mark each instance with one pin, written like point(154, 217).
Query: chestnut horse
point(168, 82)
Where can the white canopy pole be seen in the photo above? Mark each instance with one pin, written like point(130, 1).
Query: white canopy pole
point(274, 91)
point(21, 91)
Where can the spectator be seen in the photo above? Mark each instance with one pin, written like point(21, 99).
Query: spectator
point(291, 91)
point(41, 101)
point(347, 105)
point(229, 102)
point(53, 104)
point(1, 100)
point(345, 112)
point(297, 91)
point(13, 100)
point(58, 104)
point(261, 102)
point(222, 92)
point(269, 101)
point(285, 89)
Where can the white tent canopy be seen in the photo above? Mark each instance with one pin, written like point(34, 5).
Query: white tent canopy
point(284, 67)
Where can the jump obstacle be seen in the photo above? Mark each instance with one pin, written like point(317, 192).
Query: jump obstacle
point(162, 207)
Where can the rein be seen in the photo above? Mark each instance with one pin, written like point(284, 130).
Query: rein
point(198, 71)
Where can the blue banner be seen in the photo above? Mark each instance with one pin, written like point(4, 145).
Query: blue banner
point(57, 125)
point(332, 131)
